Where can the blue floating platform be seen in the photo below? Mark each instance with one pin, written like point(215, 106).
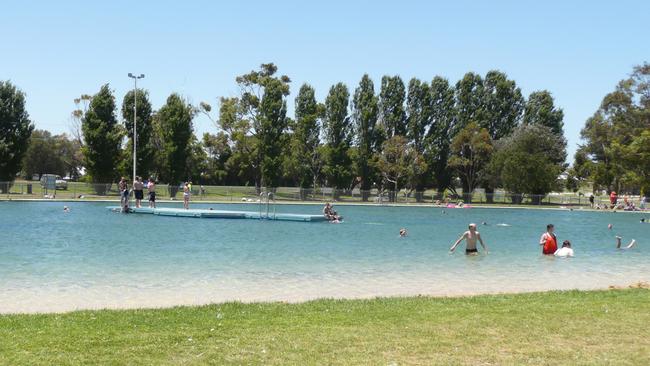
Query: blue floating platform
point(221, 214)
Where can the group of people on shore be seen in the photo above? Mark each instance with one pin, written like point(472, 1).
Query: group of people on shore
point(548, 242)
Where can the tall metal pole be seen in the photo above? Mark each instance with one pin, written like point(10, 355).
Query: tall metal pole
point(135, 120)
point(135, 124)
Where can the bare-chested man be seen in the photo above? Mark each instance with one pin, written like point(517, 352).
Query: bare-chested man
point(470, 237)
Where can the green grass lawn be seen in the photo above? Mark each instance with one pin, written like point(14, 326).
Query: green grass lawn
point(573, 328)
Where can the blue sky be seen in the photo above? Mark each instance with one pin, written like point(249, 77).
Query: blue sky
point(55, 51)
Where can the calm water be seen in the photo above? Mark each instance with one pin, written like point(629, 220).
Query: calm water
point(91, 258)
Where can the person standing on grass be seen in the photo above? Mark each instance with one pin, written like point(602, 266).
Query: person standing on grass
point(186, 196)
point(548, 241)
point(470, 237)
point(151, 187)
point(138, 187)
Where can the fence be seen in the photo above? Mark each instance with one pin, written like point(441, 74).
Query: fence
point(80, 190)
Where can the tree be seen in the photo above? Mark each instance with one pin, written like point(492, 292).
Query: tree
point(419, 109)
point(15, 130)
point(469, 101)
point(42, 156)
point(175, 129)
point(502, 106)
point(527, 161)
point(103, 138)
point(471, 149)
point(614, 134)
point(218, 152)
point(399, 163)
point(391, 107)
point(364, 115)
point(438, 140)
point(144, 147)
point(305, 157)
point(337, 131)
point(262, 104)
point(540, 109)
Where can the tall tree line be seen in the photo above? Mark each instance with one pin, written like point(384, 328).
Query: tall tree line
point(416, 135)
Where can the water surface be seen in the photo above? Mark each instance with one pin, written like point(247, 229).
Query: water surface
point(94, 258)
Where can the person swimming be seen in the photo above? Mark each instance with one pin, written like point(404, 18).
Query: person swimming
point(629, 246)
point(565, 251)
point(470, 236)
point(66, 209)
point(548, 241)
point(402, 232)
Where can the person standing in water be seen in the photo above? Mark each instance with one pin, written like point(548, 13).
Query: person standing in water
point(186, 196)
point(138, 187)
point(470, 237)
point(548, 241)
point(151, 187)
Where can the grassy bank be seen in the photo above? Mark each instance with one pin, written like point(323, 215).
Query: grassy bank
point(599, 327)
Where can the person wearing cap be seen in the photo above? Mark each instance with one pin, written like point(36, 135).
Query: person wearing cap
point(565, 251)
point(470, 236)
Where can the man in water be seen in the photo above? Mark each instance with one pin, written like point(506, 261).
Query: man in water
point(565, 251)
point(402, 232)
point(548, 241)
point(618, 243)
point(470, 237)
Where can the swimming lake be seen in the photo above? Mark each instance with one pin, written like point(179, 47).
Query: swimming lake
point(93, 258)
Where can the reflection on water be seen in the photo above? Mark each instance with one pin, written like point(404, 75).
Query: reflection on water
point(91, 258)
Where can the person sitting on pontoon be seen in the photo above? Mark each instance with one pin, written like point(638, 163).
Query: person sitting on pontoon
point(330, 213)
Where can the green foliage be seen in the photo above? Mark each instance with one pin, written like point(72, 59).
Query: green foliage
point(305, 162)
point(471, 149)
point(218, 152)
point(392, 116)
point(438, 139)
point(469, 101)
point(49, 154)
point(419, 109)
point(338, 136)
point(364, 116)
point(173, 124)
point(502, 103)
point(615, 135)
point(540, 109)
point(530, 160)
point(15, 130)
point(400, 163)
point(102, 137)
point(145, 153)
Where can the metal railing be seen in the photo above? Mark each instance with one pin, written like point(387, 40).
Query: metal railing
point(109, 191)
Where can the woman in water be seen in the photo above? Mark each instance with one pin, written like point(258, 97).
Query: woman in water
point(548, 241)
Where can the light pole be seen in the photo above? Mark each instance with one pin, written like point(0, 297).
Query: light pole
point(135, 116)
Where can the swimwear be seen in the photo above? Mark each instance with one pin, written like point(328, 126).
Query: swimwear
point(125, 193)
point(152, 196)
point(550, 245)
point(138, 194)
point(471, 251)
